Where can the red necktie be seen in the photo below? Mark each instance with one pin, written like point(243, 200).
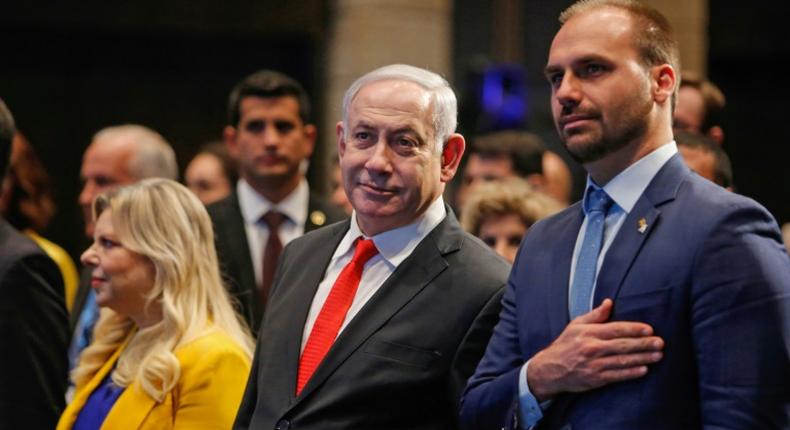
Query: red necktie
point(333, 313)
point(271, 252)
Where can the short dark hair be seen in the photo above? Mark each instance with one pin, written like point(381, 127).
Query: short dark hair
point(7, 130)
point(722, 167)
point(229, 166)
point(524, 149)
point(267, 84)
point(712, 97)
point(654, 38)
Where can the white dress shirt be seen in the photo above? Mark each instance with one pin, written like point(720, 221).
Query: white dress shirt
point(394, 247)
point(625, 189)
point(254, 206)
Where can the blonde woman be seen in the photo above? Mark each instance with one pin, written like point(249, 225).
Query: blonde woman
point(501, 212)
point(169, 350)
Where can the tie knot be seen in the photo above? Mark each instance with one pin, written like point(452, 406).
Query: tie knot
point(273, 220)
point(364, 251)
point(598, 200)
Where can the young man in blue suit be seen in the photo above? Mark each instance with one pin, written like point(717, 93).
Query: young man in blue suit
point(661, 301)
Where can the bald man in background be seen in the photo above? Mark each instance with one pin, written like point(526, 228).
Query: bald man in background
point(118, 155)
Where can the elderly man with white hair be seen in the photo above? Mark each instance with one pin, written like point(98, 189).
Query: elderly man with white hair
point(377, 321)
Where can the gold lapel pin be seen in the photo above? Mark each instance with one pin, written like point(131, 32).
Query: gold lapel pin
point(317, 217)
point(642, 225)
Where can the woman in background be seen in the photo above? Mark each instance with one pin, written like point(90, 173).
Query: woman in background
point(501, 212)
point(337, 194)
point(169, 351)
point(26, 203)
point(212, 173)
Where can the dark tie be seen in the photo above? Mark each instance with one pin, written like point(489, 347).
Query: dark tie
point(333, 313)
point(271, 252)
point(596, 204)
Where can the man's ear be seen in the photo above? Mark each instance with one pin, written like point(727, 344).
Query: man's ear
point(341, 139)
point(716, 133)
point(310, 134)
point(537, 180)
point(664, 82)
point(452, 152)
point(229, 138)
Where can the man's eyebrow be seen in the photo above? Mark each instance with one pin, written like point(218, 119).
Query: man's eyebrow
point(256, 121)
point(551, 69)
point(405, 129)
point(589, 58)
point(400, 129)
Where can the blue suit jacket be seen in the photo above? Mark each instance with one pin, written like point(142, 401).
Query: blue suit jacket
point(709, 274)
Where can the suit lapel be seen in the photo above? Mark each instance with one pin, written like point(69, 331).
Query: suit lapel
point(316, 216)
point(238, 246)
point(81, 396)
point(289, 304)
point(561, 259)
point(131, 409)
point(624, 249)
point(636, 229)
point(412, 276)
point(321, 213)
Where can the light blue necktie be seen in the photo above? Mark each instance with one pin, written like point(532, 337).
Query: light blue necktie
point(83, 332)
point(596, 204)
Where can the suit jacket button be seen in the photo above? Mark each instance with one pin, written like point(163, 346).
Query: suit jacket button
point(283, 425)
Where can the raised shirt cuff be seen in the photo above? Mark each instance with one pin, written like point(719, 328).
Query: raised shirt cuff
point(529, 410)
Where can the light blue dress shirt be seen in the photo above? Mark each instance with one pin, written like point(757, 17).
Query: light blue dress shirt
point(625, 189)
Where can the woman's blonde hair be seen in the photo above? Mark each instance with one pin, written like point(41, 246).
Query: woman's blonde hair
point(512, 196)
point(163, 221)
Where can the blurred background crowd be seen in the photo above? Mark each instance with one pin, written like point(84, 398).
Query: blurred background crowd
point(105, 95)
point(73, 68)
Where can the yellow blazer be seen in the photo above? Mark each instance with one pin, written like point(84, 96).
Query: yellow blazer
point(214, 372)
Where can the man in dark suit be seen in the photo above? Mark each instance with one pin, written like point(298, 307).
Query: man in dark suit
point(660, 302)
point(271, 136)
point(387, 338)
point(33, 322)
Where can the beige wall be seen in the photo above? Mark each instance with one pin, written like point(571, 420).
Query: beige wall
point(690, 21)
point(365, 34)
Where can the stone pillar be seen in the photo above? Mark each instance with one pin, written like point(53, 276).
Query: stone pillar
point(507, 31)
point(365, 34)
point(689, 18)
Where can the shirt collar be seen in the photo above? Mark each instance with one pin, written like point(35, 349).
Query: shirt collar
point(626, 188)
point(397, 244)
point(254, 206)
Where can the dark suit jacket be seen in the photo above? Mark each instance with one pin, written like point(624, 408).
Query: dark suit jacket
point(233, 250)
point(708, 274)
point(33, 332)
point(403, 360)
